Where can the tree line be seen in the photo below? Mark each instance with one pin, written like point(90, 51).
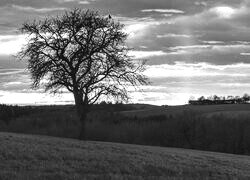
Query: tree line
point(220, 100)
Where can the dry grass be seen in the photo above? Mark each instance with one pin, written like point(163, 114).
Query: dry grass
point(40, 157)
point(228, 114)
point(173, 110)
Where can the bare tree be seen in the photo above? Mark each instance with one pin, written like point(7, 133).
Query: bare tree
point(83, 52)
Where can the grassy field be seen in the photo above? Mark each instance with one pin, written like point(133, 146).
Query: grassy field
point(43, 157)
point(220, 128)
point(200, 109)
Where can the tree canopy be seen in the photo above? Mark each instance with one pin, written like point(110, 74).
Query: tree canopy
point(83, 52)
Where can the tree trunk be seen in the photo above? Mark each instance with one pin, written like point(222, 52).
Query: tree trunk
point(82, 118)
point(82, 111)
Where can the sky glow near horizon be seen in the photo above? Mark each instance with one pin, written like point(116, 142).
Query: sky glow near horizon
point(193, 47)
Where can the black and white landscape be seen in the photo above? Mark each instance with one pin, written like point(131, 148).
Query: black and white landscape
point(115, 89)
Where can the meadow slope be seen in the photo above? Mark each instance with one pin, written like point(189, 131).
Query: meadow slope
point(200, 109)
point(43, 157)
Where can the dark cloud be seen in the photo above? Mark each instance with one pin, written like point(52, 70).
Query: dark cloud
point(197, 23)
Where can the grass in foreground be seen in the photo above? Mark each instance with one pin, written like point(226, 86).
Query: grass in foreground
point(221, 128)
point(40, 157)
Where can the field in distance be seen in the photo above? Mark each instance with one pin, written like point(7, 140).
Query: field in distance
point(43, 157)
point(227, 109)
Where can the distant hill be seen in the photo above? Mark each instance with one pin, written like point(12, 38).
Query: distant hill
point(41, 157)
point(221, 128)
point(200, 109)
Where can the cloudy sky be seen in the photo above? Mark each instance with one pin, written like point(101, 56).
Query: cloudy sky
point(193, 47)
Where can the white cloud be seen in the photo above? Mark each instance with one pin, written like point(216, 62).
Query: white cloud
point(28, 8)
point(170, 11)
point(7, 38)
point(174, 35)
point(11, 71)
point(84, 2)
point(192, 49)
point(202, 3)
point(176, 83)
point(245, 54)
point(34, 98)
point(14, 85)
point(146, 54)
point(211, 48)
point(10, 45)
point(235, 85)
point(136, 28)
point(69, 0)
point(213, 42)
point(79, 1)
point(167, 15)
point(181, 69)
point(224, 11)
point(231, 48)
